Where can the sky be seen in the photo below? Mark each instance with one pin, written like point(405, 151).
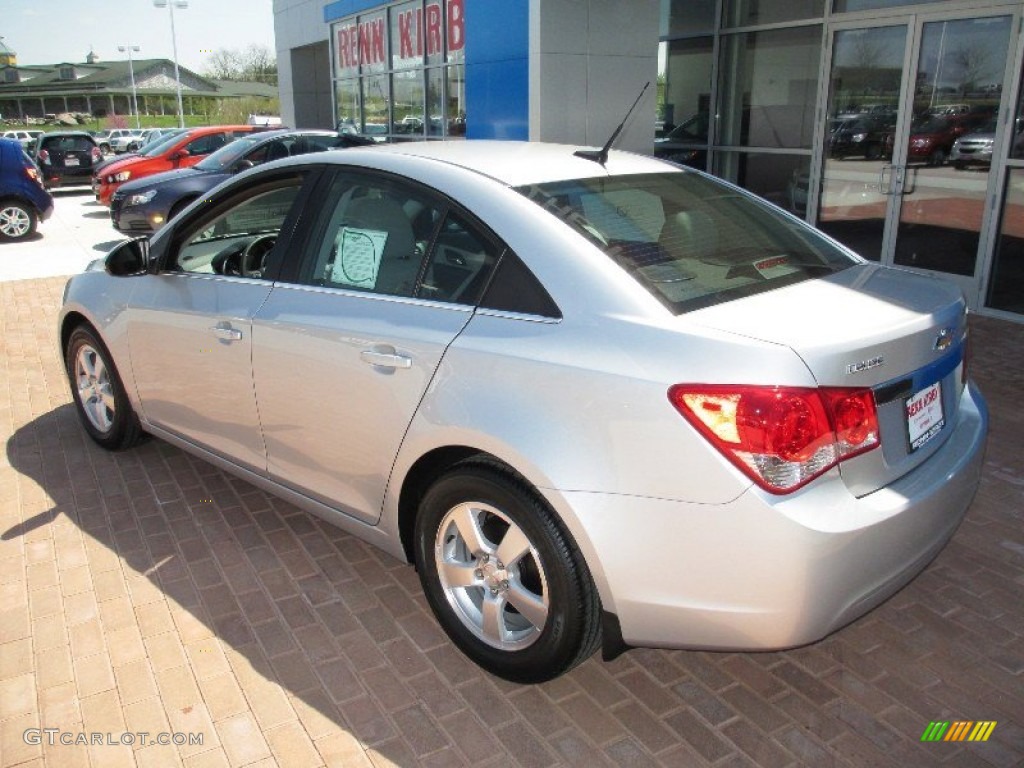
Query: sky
point(52, 31)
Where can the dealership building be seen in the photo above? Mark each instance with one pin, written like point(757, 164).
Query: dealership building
point(896, 127)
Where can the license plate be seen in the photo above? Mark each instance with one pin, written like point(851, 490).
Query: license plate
point(924, 416)
point(70, 161)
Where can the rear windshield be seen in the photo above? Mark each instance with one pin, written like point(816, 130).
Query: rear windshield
point(68, 143)
point(688, 239)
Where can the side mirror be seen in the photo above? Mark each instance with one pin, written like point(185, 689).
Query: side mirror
point(179, 155)
point(129, 258)
point(244, 165)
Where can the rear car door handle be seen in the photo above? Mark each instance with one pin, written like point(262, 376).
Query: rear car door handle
point(385, 359)
point(226, 332)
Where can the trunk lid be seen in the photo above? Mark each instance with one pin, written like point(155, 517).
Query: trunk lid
point(896, 332)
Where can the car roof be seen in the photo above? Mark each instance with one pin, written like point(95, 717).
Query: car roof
point(512, 162)
point(68, 133)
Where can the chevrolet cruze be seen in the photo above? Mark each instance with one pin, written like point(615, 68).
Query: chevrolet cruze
point(599, 400)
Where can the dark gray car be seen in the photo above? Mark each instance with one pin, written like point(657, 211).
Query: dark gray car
point(66, 158)
point(147, 204)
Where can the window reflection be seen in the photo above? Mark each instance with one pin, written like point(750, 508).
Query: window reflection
point(1006, 289)
point(779, 178)
point(749, 13)
point(684, 108)
point(768, 82)
point(687, 17)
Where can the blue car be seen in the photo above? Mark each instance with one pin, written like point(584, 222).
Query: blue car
point(145, 205)
point(24, 201)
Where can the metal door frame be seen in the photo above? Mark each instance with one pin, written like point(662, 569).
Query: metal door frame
point(973, 285)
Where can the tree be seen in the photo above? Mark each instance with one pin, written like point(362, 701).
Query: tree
point(253, 64)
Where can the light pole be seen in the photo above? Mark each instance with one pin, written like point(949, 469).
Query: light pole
point(171, 5)
point(129, 47)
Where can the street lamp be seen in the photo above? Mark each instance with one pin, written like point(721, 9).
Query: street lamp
point(129, 47)
point(171, 5)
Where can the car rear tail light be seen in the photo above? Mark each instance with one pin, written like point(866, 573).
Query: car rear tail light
point(781, 437)
point(96, 154)
point(33, 174)
point(44, 156)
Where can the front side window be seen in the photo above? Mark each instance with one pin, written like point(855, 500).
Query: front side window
point(238, 241)
point(689, 240)
point(204, 145)
point(375, 237)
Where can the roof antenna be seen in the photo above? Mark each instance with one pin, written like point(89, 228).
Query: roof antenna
point(601, 155)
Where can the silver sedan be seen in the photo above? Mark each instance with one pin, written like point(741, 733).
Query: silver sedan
point(600, 402)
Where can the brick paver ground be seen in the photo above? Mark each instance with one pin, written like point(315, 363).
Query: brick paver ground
point(149, 591)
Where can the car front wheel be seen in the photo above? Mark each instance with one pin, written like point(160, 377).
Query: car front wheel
point(100, 399)
point(506, 583)
point(17, 220)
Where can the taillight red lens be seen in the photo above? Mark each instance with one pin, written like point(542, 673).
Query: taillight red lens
point(44, 156)
point(855, 419)
point(97, 155)
point(781, 437)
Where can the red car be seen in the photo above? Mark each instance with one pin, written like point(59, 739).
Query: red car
point(181, 150)
point(932, 138)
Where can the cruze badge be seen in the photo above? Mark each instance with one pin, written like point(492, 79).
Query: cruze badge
point(943, 340)
point(865, 365)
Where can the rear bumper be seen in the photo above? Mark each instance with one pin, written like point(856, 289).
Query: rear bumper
point(762, 572)
point(65, 179)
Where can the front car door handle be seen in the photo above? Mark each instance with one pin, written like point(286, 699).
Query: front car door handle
point(226, 332)
point(385, 359)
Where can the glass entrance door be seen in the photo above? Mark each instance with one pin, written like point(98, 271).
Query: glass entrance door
point(866, 99)
point(913, 121)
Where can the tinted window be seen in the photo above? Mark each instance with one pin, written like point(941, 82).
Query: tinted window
point(204, 145)
point(516, 289)
point(68, 144)
point(690, 240)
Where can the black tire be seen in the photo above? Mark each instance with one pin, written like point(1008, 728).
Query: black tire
point(874, 152)
point(18, 220)
point(552, 568)
point(116, 428)
point(937, 158)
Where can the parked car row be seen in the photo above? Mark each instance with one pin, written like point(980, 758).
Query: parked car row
point(145, 204)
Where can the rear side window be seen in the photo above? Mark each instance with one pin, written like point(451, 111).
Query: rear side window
point(514, 288)
point(688, 239)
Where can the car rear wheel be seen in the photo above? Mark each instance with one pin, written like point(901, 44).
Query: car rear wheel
point(100, 399)
point(937, 158)
point(506, 583)
point(17, 220)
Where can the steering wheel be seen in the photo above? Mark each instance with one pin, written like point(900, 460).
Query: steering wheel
point(246, 259)
point(229, 261)
point(254, 256)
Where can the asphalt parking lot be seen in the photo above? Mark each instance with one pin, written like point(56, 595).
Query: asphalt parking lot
point(149, 592)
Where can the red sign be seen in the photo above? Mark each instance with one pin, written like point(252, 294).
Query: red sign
point(419, 31)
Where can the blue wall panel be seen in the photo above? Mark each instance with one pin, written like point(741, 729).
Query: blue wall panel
point(498, 69)
point(343, 8)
